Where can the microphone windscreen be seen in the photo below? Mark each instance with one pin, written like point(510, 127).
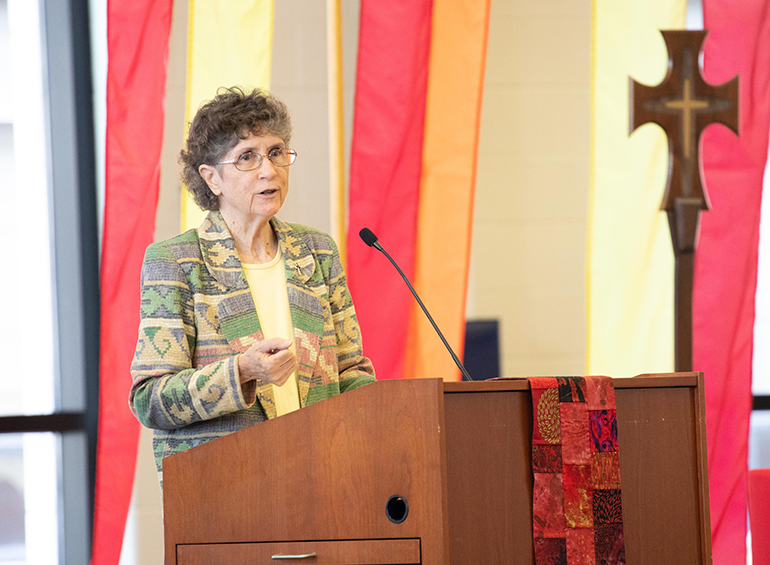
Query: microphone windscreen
point(369, 238)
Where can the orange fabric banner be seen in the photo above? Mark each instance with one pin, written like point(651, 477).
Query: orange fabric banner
point(447, 185)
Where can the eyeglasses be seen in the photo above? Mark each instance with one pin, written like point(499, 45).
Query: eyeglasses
point(250, 160)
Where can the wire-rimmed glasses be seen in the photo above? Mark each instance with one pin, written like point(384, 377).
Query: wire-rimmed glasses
point(250, 160)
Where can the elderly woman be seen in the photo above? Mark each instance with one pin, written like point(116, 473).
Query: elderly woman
point(245, 318)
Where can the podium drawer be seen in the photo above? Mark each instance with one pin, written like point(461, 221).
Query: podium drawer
point(350, 552)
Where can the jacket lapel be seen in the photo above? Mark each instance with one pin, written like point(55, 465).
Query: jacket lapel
point(237, 314)
point(307, 312)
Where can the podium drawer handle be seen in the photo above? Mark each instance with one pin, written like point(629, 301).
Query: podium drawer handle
point(300, 556)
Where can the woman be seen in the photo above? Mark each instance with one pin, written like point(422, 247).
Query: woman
point(247, 317)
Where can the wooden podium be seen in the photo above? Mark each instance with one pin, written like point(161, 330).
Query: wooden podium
point(318, 485)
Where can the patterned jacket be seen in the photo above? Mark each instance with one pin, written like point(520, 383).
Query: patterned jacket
point(197, 313)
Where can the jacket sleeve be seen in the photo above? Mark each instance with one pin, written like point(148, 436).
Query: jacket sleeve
point(354, 369)
point(167, 391)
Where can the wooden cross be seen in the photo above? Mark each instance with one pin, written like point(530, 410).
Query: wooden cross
point(684, 104)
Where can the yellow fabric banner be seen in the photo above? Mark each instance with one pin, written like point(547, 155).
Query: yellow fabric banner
point(445, 217)
point(229, 43)
point(630, 269)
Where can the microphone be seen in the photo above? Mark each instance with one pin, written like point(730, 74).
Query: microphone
point(371, 240)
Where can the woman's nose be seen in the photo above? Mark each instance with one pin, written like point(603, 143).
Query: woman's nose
point(266, 168)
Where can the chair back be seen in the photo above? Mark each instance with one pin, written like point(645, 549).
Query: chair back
point(759, 515)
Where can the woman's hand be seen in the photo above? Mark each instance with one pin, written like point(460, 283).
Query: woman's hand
point(270, 361)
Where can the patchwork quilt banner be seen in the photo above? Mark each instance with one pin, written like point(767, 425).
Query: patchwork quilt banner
point(577, 516)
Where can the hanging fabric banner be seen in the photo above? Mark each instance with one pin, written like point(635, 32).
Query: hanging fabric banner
point(137, 36)
point(726, 259)
point(229, 44)
point(447, 185)
point(630, 271)
point(385, 169)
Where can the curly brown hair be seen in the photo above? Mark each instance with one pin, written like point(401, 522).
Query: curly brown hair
point(220, 124)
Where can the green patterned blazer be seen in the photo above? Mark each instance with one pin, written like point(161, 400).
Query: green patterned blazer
point(197, 314)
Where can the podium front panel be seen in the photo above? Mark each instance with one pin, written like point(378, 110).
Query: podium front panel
point(661, 430)
point(460, 455)
point(324, 473)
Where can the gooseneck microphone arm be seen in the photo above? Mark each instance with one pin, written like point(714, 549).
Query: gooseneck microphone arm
point(371, 240)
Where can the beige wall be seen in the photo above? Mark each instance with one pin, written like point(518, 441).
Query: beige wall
point(167, 219)
point(299, 79)
point(528, 251)
point(528, 255)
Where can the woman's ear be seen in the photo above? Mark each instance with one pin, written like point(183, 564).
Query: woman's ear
point(211, 176)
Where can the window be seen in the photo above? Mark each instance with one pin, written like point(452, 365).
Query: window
point(49, 332)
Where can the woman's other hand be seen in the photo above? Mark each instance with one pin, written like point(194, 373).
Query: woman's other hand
point(270, 361)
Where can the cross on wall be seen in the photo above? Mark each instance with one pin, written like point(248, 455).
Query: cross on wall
point(684, 104)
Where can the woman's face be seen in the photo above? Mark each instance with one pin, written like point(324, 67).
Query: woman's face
point(251, 195)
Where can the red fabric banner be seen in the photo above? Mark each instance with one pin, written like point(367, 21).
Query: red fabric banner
point(726, 259)
point(385, 169)
point(137, 36)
